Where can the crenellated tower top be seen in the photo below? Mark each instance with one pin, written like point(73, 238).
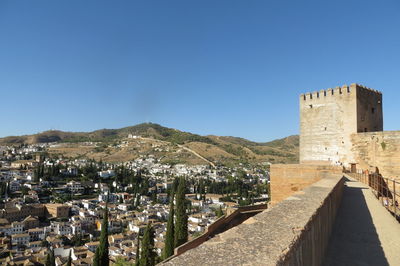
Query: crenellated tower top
point(343, 90)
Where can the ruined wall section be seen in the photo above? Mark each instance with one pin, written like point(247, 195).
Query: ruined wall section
point(327, 119)
point(378, 149)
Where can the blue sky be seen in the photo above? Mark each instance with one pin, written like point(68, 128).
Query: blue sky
point(209, 67)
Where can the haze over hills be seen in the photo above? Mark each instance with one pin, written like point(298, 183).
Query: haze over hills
point(177, 145)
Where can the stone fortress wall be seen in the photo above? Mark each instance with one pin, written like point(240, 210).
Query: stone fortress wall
point(293, 232)
point(344, 125)
point(338, 127)
point(289, 179)
point(378, 149)
point(329, 117)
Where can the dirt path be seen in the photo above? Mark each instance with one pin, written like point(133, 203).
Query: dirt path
point(196, 154)
point(364, 232)
point(183, 147)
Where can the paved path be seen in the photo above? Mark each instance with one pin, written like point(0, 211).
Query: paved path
point(364, 232)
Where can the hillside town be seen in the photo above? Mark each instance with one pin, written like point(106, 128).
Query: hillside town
point(51, 203)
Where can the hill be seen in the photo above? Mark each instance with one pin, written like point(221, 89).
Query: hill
point(188, 147)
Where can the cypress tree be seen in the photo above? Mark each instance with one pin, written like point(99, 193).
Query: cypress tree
point(53, 258)
point(147, 256)
point(137, 202)
point(50, 259)
point(101, 255)
point(137, 259)
point(154, 196)
point(181, 223)
point(219, 212)
point(69, 262)
point(170, 236)
point(96, 260)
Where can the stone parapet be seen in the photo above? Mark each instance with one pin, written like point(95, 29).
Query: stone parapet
point(286, 179)
point(293, 232)
point(223, 224)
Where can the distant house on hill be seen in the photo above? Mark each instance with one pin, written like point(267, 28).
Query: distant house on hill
point(107, 174)
point(23, 163)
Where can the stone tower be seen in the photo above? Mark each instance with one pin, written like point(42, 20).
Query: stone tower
point(329, 117)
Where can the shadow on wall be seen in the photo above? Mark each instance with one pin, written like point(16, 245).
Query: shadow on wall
point(354, 240)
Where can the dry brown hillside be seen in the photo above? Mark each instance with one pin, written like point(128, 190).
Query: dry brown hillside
point(166, 143)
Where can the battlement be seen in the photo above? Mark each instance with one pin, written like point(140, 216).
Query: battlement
point(345, 89)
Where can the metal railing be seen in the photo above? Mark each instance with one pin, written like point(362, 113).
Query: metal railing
point(386, 190)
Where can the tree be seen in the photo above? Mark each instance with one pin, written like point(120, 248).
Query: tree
point(137, 259)
point(50, 259)
point(101, 255)
point(147, 256)
point(3, 189)
point(44, 244)
point(120, 261)
point(181, 223)
point(154, 196)
point(96, 260)
point(170, 236)
point(77, 240)
point(137, 201)
point(219, 212)
point(69, 262)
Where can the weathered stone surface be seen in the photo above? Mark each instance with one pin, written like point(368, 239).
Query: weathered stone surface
point(292, 232)
point(328, 118)
point(378, 149)
point(287, 179)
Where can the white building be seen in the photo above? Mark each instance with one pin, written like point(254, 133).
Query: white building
point(20, 239)
point(107, 174)
point(110, 197)
point(62, 229)
point(75, 187)
point(76, 228)
point(36, 234)
point(17, 228)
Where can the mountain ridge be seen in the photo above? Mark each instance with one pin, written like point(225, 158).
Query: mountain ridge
point(283, 150)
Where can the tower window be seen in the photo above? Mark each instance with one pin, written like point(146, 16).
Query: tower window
point(373, 110)
point(310, 105)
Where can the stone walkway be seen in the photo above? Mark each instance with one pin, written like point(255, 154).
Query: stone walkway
point(364, 232)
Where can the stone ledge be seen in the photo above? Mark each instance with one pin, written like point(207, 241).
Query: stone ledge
point(294, 231)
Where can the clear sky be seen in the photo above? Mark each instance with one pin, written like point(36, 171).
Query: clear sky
point(209, 67)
